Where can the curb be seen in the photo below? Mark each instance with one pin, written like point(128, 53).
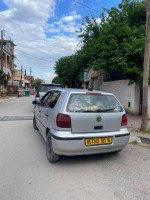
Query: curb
point(144, 139)
point(135, 137)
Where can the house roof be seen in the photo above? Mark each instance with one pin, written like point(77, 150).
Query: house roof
point(10, 42)
point(30, 77)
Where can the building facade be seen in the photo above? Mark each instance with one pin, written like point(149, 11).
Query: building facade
point(8, 57)
point(21, 78)
point(6, 65)
point(93, 79)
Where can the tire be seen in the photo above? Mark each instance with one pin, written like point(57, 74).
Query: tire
point(51, 156)
point(34, 124)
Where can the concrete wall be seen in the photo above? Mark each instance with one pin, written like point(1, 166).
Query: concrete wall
point(126, 94)
point(17, 77)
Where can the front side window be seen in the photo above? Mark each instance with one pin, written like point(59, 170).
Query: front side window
point(93, 103)
point(44, 99)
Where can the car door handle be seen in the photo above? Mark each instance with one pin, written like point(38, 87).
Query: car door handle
point(46, 115)
point(39, 111)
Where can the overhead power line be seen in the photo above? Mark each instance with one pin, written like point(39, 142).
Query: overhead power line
point(24, 67)
point(35, 57)
point(86, 6)
point(20, 63)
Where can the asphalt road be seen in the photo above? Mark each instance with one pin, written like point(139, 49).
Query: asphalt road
point(25, 173)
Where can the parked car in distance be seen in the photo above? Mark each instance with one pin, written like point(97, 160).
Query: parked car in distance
point(44, 88)
point(80, 122)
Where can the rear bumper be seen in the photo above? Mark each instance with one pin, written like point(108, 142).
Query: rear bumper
point(66, 143)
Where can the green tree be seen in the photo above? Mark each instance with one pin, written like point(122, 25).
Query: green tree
point(36, 83)
point(57, 80)
point(67, 70)
point(118, 42)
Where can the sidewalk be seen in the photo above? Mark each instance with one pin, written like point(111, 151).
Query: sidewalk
point(134, 121)
point(7, 98)
point(134, 124)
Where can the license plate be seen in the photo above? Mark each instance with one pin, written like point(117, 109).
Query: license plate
point(98, 141)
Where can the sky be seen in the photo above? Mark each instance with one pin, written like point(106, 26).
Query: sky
point(45, 30)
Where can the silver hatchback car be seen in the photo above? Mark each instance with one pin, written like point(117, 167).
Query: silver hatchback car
point(80, 122)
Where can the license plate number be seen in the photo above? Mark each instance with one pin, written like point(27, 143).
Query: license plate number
point(98, 141)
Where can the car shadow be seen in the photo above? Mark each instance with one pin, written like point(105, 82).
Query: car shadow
point(87, 159)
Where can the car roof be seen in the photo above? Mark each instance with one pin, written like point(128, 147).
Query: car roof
point(76, 90)
point(51, 84)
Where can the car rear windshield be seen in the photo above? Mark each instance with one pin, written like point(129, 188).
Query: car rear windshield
point(93, 103)
point(46, 88)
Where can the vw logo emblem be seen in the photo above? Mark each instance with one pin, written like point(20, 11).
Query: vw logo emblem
point(98, 119)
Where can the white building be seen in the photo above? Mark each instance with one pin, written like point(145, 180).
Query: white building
point(129, 95)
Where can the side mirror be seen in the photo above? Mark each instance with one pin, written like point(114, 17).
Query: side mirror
point(34, 102)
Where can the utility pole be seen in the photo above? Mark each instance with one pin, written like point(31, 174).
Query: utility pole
point(1, 56)
point(146, 70)
point(30, 71)
point(21, 76)
point(30, 77)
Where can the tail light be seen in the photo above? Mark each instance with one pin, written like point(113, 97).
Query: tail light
point(63, 121)
point(124, 120)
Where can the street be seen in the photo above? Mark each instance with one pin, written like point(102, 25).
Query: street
point(26, 174)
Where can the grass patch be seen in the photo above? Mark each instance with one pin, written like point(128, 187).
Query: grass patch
point(141, 132)
point(135, 129)
point(134, 142)
point(144, 132)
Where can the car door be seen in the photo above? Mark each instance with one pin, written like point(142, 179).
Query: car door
point(47, 110)
point(38, 110)
point(37, 114)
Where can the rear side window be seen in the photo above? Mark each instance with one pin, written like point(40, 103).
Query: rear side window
point(93, 103)
point(52, 99)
